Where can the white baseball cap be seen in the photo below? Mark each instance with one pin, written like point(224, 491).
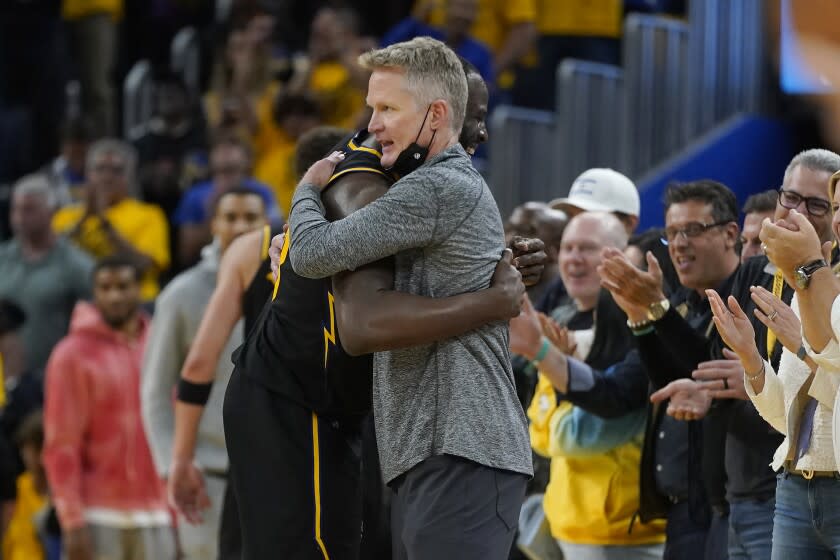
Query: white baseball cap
point(601, 190)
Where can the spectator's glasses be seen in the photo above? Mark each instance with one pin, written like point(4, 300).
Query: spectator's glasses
point(690, 230)
point(816, 206)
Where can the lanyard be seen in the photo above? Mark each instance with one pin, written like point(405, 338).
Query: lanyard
point(778, 285)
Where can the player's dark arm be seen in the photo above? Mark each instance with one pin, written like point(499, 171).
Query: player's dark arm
point(373, 317)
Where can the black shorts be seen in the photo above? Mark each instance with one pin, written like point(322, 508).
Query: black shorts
point(230, 536)
point(296, 476)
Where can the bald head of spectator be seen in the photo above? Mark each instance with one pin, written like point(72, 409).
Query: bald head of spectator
point(34, 202)
point(757, 207)
point(580, 254)
point(537, 219)
point(603, 190)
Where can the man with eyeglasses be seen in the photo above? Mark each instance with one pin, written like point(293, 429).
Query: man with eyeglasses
point(750, 441)
point(671, 335)
point(734, 424)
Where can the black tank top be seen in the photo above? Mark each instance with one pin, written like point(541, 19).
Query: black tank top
point(294, 348)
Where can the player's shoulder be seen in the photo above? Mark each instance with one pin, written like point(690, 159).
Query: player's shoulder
point(361, 154)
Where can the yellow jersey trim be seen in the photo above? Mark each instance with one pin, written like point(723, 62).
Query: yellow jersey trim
point(352, 145)
point(283, 254)
point(329, 335)
point(354, 169)
point(266, 240)
point(316, 456)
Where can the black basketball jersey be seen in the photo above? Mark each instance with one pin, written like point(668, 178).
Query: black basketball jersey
point(295, 348)
point(261, 287)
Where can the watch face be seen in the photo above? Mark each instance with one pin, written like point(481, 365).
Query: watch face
point(801, 278)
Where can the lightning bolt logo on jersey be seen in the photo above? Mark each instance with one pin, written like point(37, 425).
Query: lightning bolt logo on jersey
point(295, 347)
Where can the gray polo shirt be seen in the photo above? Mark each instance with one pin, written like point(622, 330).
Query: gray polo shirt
point(456, 396)
point(47, 289)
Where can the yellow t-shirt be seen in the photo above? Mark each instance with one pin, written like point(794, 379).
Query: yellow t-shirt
point(143, 225)
point(493, 20)
point(77, 9)
point(593, 18)
point(341, 102)
point(591, 498)
point(277, 170)
point(20, 541)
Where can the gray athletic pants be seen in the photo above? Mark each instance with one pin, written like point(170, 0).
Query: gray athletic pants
point(449, 507)
point(142, 543)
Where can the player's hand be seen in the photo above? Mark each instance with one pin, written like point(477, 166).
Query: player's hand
point(529, 258)
point(321, 171)
point(507, 284)
point(276, 249)
point(186, 491)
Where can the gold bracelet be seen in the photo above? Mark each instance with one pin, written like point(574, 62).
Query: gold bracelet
point(757, 375)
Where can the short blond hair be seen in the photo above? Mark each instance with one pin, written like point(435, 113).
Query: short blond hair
point(432, 69)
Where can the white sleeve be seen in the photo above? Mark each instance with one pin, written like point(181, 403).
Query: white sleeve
point(770, 403)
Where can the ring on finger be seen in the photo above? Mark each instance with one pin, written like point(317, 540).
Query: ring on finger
point(773, 315)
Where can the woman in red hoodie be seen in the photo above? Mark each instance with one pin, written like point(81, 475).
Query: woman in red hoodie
point(109, 499)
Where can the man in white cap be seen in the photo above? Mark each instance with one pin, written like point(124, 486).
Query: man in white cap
point(602, 190)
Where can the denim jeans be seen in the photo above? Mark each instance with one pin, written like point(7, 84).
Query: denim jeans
point(751, 529)
point(807, 521)
point(686, 540)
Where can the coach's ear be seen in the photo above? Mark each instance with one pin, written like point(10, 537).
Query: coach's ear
point(440, 114)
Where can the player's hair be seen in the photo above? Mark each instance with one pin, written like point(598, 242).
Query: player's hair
point(316, 144)
point(432, 71)
point(239, 190)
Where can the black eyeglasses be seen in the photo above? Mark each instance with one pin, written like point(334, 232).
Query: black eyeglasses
point(692, 229)
point(816, 206)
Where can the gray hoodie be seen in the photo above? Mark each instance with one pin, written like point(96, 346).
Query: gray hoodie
point(178, 312)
